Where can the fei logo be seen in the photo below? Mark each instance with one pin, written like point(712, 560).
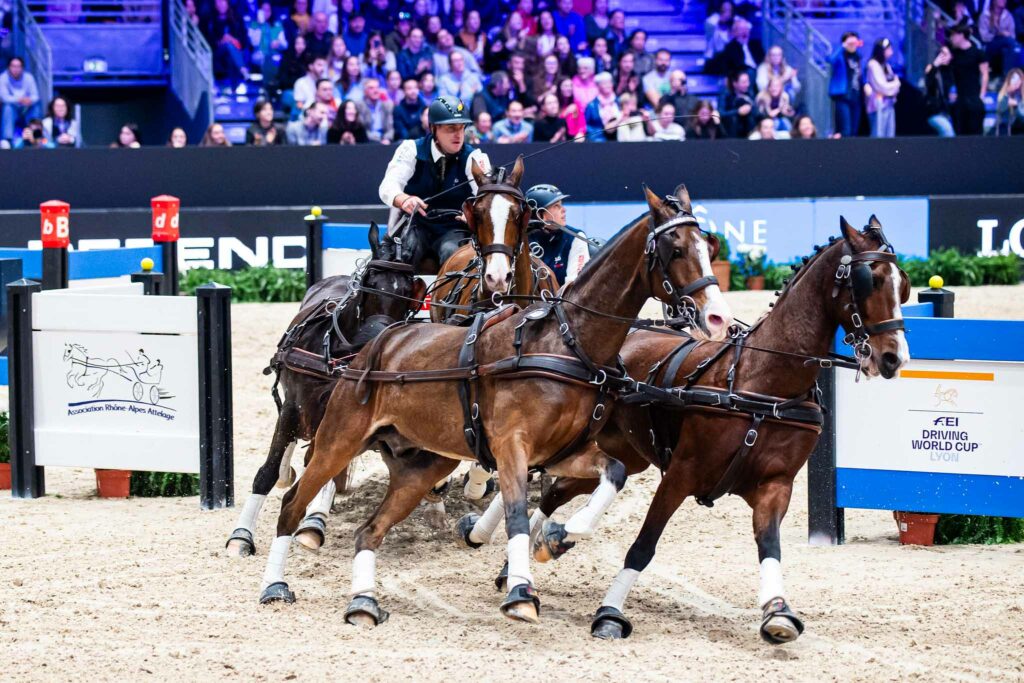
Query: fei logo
point(947, 421)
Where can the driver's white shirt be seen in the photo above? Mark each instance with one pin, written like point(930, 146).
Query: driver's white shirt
point(579, 254)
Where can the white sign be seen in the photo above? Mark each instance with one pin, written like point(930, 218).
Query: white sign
point(115, 381)
point(958, 417)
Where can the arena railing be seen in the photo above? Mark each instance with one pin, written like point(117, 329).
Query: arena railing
point(924, 20)
point(808, 51)
point(191, 65)
point(30, 43)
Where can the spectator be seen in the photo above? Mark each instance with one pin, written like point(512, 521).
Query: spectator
point(937, 80)
point(177, 139)
point(226, 34)
point(60, 125)
point(263, 131)
point(458, 83)
point(428, 88)
point(376, 113)
point(349, 83)
point(998, 34)
point(33, 137)
point(846, 83)
point(964, 15)
point(602, 113)
point(626, 79)
point(549, 126)
point(319, 39)
point(311, 129)
point(596, 22)
point(433, 30)
point(704, 125)
point(355, 35)
point(524, 8)
point(766, 131)
point(546, 81)
point(299, 21)
point(127, 137)
point(482, 130)
point(742, 53)
point(326, 96)
point(718, 29)
point(503, 42)
point(190, 11)
point(266, 35)
point(635, 125)
point(393, 86)
point(616, 36)
point(472, 38)
point(379, 18)
point(603, 60)
point(1009, 113)
point(495, 98)
point(378, 61)
point(575, 123)
point(773, 102)
point(215, 137)
point(416, 57)
point(455, 18)
point(804, 128)
point(420, 14)
point(513, 128)
point(305, 88)
point(446, 47)
point(665, 126)
point(408, 110)
point(396, 40)
point(566, 58)
point(970, 76)
point(738, 110)
point(347, 128)
point(521, 83)
point(775, 66)
point(547, 34)
point(584, 87)
point(657, 81)
point(570, 24)
point(293, 64)
point(678, 94)
point(643, 60)
point(882, 87)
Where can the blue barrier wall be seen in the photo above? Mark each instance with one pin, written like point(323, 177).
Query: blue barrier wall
point(88, 265)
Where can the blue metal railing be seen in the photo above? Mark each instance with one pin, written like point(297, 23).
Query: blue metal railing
point(191, 64)
point(30, 43)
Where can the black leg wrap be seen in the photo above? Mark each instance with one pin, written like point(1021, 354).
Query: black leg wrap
point(502, 580)
point(610, 624)
point(315, 524)
point(462, 529)
point(551, 542)
point(277, 592)
point(777, 635)
point(364, 604)
point(245, 536)
point(524, 592)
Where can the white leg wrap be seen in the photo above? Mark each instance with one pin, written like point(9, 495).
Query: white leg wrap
point(286, 462)
point(247, 518)
point(364, 573)
point(623, 583)
point(476, 487)
point(582, 524)
point(771, 581)
point(519, 561)
point(488, 522)
point(321, 503)
point(276, 560)
point(537, 520)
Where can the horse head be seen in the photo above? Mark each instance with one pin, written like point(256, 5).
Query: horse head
point(497, 217)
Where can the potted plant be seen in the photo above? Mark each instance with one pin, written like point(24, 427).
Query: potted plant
point(113, 483)
point(5, 454)
point(721, 267)
point(753, 264)
point(916, 528)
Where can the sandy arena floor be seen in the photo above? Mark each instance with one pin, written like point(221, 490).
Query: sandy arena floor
point(141, 590)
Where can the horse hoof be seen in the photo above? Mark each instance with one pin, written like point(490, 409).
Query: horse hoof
point(288, 481)
point(240, 543)
point(501, 582)
point(277, 592)
point(364, 612)
point(551, 543)
point(780, 624)
point(522, 604)
point(462, 529)
point(610, 624)
point(312, 533)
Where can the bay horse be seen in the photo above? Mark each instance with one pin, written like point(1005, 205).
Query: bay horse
point(743, 418)
point(538, 379)
point(337, 316)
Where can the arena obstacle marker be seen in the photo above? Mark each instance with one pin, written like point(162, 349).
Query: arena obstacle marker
point(108, 378)
point(941, 438)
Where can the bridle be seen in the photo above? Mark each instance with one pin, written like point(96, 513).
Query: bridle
point(682, 304)
point(500, 187)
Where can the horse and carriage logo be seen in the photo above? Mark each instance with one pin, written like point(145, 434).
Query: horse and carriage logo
point(135, 378)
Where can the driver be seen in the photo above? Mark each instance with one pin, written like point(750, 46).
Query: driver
point(422, 168)
point(565, 249)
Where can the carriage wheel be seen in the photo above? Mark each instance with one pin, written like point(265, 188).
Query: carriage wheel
point(154, 395)
point(137, 391)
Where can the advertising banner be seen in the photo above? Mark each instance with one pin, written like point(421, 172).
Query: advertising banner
point(978, 225)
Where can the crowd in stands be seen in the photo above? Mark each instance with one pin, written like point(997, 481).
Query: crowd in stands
point(350, 72)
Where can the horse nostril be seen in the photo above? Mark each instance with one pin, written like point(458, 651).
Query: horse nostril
point(890, 360)
point(715, 320)
point(508, 276)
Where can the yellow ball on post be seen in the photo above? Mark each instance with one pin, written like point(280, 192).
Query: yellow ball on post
point(935, 282)
point(316, 211)
point(147, 264)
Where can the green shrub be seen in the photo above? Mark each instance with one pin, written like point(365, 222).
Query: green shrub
point(774, 275)
point(958, 529)
point(723, 248)
point(163, 484)
point(737, 279)
point(5, 444)
point(1000, 270)
point(254, 284)
point(959, 269)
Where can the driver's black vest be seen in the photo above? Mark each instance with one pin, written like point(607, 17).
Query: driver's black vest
point(426, 182)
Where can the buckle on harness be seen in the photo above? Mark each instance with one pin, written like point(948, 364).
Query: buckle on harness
point(598, 412)
point(824, 363)
point(474, 412)
point(856, 320)
point(750, 439)
point(470, 339)
point(601, 378)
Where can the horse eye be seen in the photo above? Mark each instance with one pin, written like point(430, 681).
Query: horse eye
point(677, 253)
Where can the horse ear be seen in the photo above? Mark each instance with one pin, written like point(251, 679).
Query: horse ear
point(684, 197)
point(419, 292)
point(715, 244)
point(873, 223)
point(653, 200)
point(478, 173)
point(374, 239)
point(517, 172)
point(851, 235)
point(467, 212)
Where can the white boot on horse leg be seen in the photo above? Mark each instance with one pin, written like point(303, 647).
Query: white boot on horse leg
point(312, 532)
point(779, 624)
point(555, 539)
point(286, 474)
point(275, 588)
point(242, 543)
point(475, 530)
point(363, 610)
point(520, 578)
point(609, 621)
point(478, 483)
